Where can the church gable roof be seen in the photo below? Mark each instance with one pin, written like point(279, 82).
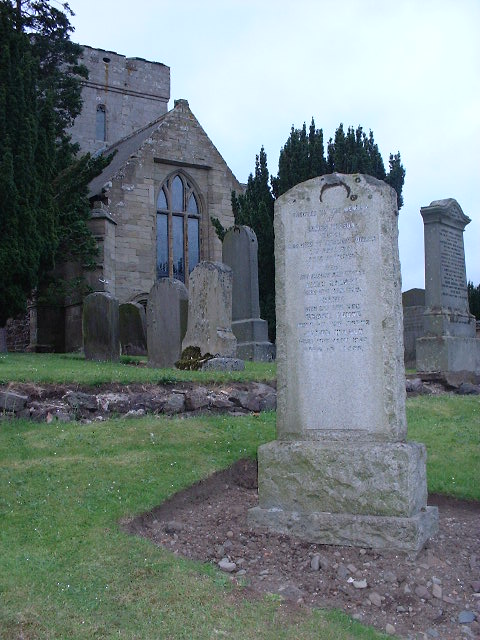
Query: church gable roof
point(127, 147)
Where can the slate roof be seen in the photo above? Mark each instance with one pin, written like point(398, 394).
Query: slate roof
point(123, 149)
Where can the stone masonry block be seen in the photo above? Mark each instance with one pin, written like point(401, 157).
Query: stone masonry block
point(382, 479)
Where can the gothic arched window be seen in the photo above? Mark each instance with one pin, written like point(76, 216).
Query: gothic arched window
point(178, 228)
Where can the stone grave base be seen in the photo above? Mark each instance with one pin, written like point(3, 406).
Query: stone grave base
point(364, 493)
point(223, 364)
point(448, 353)
point(256, 351)
point(376, 532)
point(252, 340)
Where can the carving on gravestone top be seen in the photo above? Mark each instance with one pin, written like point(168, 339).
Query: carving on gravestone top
point(449, 343)
point(240, 253)
point(341, 471)
point(167, 310)
point(100, 325)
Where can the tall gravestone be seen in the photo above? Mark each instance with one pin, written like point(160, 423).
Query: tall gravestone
point(449, 343)
point(210, 310)
point(240, 253)
point(100, 325)
point(167, 309)
point(133, 329)
point(413, 302)
point(341, 471)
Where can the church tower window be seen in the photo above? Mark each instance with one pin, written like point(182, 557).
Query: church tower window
point(178, 228)
point(101, 123)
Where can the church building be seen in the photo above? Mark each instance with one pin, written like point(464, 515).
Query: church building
point(152, 205)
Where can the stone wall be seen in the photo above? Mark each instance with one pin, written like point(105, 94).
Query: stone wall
point(132, 91)
point(18, 332)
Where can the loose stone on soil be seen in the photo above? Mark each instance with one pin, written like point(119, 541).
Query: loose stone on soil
point(227, 566)
point(375, 598)
point(466, 617)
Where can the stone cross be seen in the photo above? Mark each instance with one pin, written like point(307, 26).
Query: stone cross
point(210, 310)
point(240, 253)
point(341, 471)
point(449, 343)
point(167, 309)
point(100, 325)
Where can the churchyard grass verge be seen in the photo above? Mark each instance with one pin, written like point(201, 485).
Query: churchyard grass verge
point(74, 369)
point(449, 426)
point(67, 570)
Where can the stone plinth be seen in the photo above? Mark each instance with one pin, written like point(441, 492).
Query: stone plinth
point(210, 310)
point(100, 324)
point(240, 253)
point(341, 471)
point(449, 343)
point(167, 310)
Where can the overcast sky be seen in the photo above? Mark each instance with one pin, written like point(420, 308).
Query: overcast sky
point(408, 70)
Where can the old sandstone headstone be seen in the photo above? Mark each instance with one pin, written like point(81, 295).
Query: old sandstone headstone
point(341, 471)
point(210, 310)
point(133, 329)
point(100, 325)
point(413, 302)
point(167, 309)
point(449, 343)
point(240, 253)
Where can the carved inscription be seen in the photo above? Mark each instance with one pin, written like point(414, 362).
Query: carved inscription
point(452, 264)
point(333, 315)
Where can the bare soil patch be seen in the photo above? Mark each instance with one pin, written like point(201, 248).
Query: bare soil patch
point(433, 595)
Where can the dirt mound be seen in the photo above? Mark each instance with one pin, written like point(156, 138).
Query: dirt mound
point(435, 593)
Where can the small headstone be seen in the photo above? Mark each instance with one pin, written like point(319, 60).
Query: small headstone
point(210, 310)
point(341, 471)
point(100, 324)
point(167, 309)
point(133, 329)
point(240, 253)
point(449, 343)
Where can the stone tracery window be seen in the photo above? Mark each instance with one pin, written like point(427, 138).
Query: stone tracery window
point(178, 228)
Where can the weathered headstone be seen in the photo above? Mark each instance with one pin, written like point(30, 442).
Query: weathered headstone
point(167, 309)
point(240, 253)
point(210, 310)
point(449, 343)
point(341, 471)
point(100, 324)
point(133, 329)
point(413, 302)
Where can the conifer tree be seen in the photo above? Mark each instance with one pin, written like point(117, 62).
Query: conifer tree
point(44, 207)
point(301, 158)
point(27, 241)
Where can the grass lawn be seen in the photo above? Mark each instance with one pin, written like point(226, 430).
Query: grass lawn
point(71, 368)
point(449, 426)
point(68, 572)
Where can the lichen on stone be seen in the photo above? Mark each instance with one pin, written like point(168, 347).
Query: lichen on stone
point(192, 359)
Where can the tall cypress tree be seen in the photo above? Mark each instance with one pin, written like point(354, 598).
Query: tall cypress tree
point(26, 202)
point(301, 158)
point(44, 207)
